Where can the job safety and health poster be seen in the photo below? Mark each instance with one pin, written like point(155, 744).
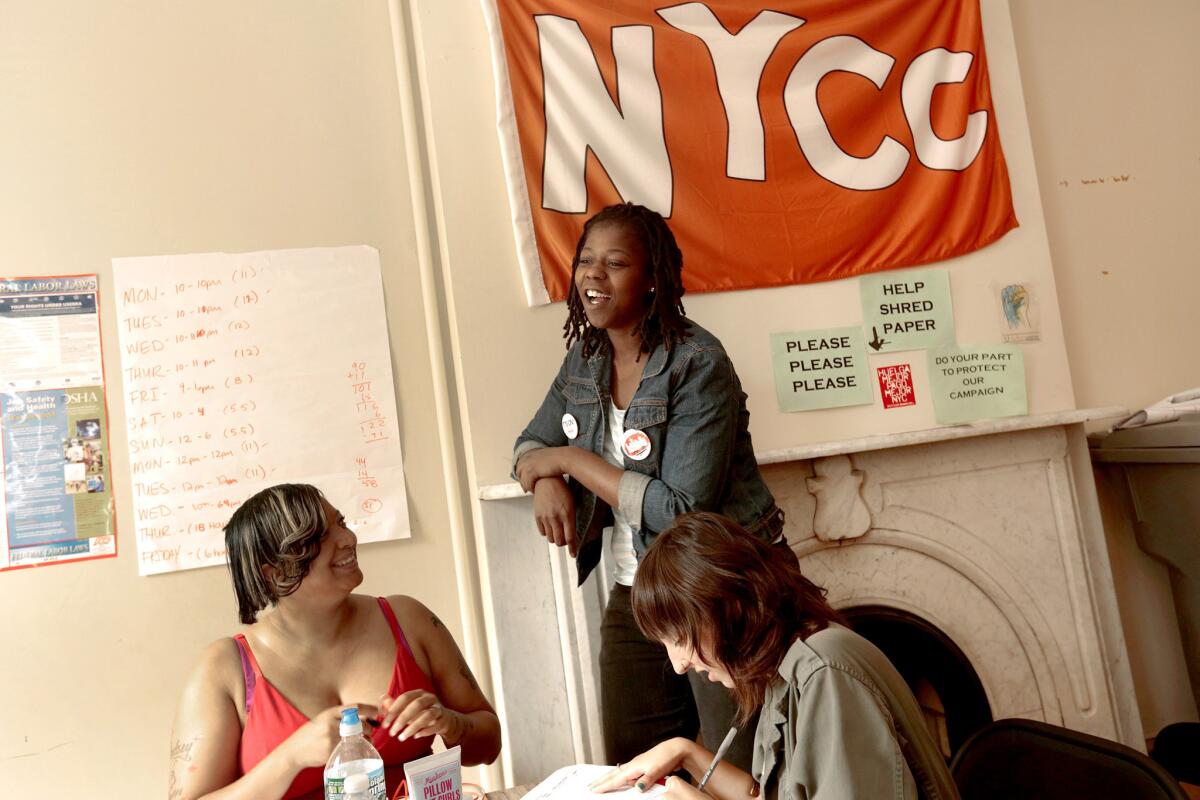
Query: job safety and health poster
point(57, 504)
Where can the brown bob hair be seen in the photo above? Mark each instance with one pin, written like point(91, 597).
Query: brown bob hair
point(280, 527)
point(740, 602)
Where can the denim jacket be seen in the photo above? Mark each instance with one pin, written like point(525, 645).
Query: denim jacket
point(691, 405)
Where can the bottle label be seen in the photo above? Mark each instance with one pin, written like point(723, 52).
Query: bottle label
point(377, 790)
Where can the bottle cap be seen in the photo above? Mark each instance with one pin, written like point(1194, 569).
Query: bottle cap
point(358, 783)
point(350, 724)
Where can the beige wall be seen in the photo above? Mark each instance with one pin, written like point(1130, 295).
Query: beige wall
point(1110, 88)
point(134, 128)
point(139, 128)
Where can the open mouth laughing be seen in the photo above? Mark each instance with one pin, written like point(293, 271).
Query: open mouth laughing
point(595, 297)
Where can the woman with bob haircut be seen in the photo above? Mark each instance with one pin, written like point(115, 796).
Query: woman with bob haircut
point(259, 714)
point(837, 721)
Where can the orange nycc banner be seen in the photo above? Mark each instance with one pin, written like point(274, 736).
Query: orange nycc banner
point(808, 141)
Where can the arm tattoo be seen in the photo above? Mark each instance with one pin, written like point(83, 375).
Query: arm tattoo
point(463, 725)
point(465, 671)
point(181, 753)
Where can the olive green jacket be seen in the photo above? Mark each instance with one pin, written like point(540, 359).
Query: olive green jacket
point(841, 724)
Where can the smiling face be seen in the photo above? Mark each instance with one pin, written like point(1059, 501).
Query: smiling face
point(612, 277)
point(336, 563)
point(684, 657)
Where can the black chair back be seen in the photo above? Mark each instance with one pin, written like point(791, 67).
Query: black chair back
point(1018, 758)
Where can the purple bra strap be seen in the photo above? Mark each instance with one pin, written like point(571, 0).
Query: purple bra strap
point(247, 670)
point(397, 631)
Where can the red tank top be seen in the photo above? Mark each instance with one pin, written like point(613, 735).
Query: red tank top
point(270, 718)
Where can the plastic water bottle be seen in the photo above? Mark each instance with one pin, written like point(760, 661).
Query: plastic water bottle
point(354, 755)
point(356, 787)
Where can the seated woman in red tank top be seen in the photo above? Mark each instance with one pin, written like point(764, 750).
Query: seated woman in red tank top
point(259, 714)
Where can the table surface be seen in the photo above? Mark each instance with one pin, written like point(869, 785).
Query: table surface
point(517, 792)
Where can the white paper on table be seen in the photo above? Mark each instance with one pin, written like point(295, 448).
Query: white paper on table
point(242, 371)
point(571, 783)
point(1165, 410)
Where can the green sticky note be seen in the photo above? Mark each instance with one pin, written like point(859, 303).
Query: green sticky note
point(907, 310)
point(972, 383)
point(820, 369)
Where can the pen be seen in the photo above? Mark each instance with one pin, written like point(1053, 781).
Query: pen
point(728, 740)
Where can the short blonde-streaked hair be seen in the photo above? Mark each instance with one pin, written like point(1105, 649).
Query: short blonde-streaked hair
point(280, 527)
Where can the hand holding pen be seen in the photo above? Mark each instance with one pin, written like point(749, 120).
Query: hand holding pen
point(721, 751)
point(658, 762)
point(647, 769)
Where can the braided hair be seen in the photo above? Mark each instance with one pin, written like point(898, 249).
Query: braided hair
point(664, 322)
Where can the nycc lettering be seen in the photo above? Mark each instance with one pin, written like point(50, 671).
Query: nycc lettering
point(627, 136)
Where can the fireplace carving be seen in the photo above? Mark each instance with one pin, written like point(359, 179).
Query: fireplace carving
point(841, 512)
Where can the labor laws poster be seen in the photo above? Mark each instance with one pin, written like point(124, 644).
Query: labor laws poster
point(808, 141)
point(56, 502)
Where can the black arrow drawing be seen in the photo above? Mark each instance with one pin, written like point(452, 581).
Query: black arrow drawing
point(876, 342)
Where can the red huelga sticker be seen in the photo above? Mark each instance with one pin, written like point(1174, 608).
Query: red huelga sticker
point(896, 386)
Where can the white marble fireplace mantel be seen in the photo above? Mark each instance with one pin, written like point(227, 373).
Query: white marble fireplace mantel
point(512, 489)
point(989, 531)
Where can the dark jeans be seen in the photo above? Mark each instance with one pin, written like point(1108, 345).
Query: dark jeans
point(644, 702)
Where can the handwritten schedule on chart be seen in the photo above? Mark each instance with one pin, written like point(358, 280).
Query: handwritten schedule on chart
point(241, 371)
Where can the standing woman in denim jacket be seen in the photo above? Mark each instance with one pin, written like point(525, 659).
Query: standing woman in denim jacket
point(645, 420)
